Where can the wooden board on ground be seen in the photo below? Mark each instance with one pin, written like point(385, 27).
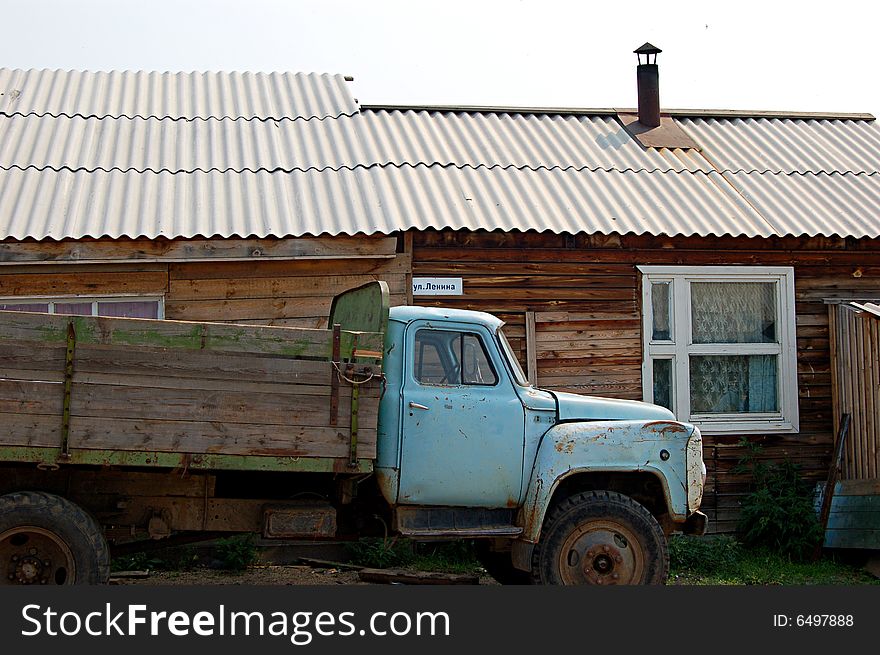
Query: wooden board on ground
point(399, 576)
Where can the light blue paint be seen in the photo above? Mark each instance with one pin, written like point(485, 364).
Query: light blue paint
point(509, 444)
point(620, 446)
point(466, 448)
point(575, 407)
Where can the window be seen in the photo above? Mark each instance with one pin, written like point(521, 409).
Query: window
point(720, 348)
point(452, 358)
point(120, 307)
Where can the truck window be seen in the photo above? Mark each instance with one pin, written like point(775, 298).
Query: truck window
point(443, 357)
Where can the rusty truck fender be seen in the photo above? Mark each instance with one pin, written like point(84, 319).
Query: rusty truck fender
point(568, 449)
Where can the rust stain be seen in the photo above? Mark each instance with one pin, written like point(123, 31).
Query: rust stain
point(534, 509)
point(667, 426)
point(565, 446)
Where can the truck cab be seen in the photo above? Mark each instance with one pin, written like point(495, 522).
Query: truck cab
point(560, 487)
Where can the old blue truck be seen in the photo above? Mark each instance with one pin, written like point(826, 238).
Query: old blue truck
point(118, 433)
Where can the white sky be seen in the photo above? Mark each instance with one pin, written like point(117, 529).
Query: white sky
point(799, 56)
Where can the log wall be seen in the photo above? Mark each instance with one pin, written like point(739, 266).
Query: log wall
point(284, 282)
point(585, 292)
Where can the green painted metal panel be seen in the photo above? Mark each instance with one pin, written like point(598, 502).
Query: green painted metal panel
point(362, 309)
point(49, 457)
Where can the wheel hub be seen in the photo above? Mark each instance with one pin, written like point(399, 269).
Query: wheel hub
point(600, 564)
point(601, 552)
point(30, 568)
point(32, 555)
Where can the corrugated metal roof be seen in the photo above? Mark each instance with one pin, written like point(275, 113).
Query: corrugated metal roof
point(367, 139)
point(147, 144)
point(107, 154)
point(511, 140)
point(55, 205)
point(814, 204)
point(787, 145)
point(174, 95)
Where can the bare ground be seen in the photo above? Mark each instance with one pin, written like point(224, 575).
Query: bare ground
point(256, 575)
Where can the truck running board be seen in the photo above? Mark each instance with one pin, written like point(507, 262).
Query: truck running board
point(455, 522)
point(453, 533)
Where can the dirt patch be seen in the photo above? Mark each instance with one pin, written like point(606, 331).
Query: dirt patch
point(257, 575)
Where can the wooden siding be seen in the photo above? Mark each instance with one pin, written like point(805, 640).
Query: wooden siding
point(585, 293)
point(288, 283)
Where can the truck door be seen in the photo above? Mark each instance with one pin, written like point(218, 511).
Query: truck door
point(463, 423)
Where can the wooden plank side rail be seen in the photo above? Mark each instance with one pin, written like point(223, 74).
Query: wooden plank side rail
point(166, 390)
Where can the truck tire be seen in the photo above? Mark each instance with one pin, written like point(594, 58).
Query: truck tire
point(45, 539)
point(600, 537)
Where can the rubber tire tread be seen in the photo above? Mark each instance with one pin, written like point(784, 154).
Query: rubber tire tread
point(70, 522)
point(573, 510)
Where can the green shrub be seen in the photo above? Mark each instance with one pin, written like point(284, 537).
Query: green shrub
point(174, 558)
point(380, 553)
point(237, 553)
point(778, 514)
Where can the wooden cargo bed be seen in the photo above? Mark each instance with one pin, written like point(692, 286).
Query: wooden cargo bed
point(144, 392)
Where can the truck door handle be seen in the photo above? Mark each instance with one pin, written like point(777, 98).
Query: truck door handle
point(417, 406)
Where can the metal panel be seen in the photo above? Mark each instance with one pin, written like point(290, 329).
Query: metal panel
point(787, 145)
point(55, 205)
point(149, 144)
point(537, 140)
point(368, 139)
point(127, 154)
point(174, 95)
point(844, 205)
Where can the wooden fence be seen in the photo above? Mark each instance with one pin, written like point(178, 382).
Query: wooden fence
point(855, 355)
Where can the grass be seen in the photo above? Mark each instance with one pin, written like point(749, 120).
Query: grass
point(711, 560)
point(445, 557)
point(722, 560)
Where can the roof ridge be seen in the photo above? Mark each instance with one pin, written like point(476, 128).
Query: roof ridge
point(607, 111)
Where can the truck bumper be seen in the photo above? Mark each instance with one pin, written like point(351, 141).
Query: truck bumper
point(696, 523)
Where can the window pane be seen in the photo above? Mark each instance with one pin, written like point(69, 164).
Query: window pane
point(437, 357)
point(733, 312)
point(476, 368)
point(663, 382)
point(660, 311)
point(25, 307)
point(74, 308)
point(728, 384)
point(134, 309)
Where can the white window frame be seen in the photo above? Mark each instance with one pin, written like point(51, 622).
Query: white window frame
point(94, 300)
point(680, 346)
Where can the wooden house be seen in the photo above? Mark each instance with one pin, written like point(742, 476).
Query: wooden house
point(690, 263)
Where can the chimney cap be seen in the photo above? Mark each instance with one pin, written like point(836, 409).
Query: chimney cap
point(647, 49)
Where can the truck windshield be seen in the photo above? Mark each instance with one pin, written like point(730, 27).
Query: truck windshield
point(518, 375)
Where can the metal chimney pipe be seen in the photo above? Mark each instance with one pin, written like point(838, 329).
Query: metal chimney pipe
point(648, 81)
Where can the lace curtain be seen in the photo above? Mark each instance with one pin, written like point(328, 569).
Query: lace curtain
point(733, 313)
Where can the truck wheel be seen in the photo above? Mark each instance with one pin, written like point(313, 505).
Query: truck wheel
point(500, 567)
point(600, 537)
point(45, 539)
